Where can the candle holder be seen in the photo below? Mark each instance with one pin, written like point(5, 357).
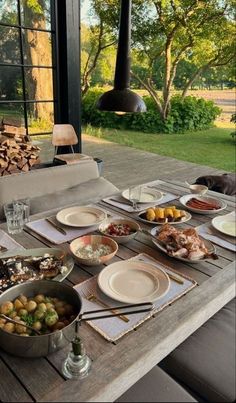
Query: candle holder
point(77, 364)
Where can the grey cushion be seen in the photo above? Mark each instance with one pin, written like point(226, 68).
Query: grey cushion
point(156, 386)
point(87, 192)
point(206, 360)
point(44, 181)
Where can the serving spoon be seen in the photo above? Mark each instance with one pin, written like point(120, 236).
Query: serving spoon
point(17, 323)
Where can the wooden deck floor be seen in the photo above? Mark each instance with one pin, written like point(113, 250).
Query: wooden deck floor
point(124, 165)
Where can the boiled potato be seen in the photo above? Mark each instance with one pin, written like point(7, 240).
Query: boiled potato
point(51, 318)
point(42, 307)
point(39, 314)
point(20, 328)
point(18, 304)
point(61, 310)
point(37, 325)
point(49, 305)
point(7, 307)
point(30, 306)
point(9, 327)
point(39, 298)
point(12, 315)
point(23, 299)
point(22, 312)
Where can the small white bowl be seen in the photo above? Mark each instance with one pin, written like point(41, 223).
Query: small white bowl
point(198, 189)
point(135, 227)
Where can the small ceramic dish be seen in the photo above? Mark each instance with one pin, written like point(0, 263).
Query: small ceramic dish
point(111, 226)
point(92, 250)
point(198, 189)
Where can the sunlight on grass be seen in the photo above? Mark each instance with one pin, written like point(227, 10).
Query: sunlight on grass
point(214, 147)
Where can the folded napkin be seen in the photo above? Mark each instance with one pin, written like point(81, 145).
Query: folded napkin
point(122, 204)
point(8, 242)
point(210, 233)
point(47, 231)
point(114, 328)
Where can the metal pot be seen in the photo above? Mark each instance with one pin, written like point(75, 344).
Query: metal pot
point(39, 346)
point(43, 345)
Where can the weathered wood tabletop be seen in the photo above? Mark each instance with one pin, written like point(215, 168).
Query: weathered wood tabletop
point(117, 366)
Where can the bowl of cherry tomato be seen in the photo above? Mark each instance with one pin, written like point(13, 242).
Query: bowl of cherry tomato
point(122, 230)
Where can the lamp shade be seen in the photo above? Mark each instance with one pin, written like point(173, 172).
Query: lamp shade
point(121, 98)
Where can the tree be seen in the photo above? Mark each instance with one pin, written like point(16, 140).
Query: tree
point(96, 38)
point(166, 32)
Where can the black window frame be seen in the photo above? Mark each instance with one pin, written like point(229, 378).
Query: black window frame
point(65, 36)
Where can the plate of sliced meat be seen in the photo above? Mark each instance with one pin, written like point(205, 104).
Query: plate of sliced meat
point(202, 204)
point(185, 245)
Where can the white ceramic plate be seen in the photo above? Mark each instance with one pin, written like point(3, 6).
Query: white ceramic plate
point(68, 261)
point(185, 219)
point(225, 224)
point(148, 195)
point(133, 282)
point(81, 216)
point(184, 199)
point(211, 248)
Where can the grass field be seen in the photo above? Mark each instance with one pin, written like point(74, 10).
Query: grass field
point(214, 147)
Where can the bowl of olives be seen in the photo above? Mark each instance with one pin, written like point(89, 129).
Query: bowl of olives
point(42, 317)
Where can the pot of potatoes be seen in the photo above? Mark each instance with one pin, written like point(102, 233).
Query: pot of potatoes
point(49, 307)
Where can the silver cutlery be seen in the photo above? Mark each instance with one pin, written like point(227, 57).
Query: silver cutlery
point(121, 201)
point(56, 226)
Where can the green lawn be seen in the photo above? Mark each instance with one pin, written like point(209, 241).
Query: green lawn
point(214, 147)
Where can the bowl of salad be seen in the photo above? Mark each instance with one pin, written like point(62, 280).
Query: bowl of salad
point(122, 230)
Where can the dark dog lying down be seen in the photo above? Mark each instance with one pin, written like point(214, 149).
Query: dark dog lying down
point(225, 183)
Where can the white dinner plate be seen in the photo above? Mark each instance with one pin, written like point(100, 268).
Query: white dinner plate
point(141, 216)
point(81, 216)
point(148, 195)
point(225, 224)
point(68, 261)
point(221, 203)
point(133, 282)
point(210, 247)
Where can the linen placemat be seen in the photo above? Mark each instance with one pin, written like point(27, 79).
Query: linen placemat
point(8, 242)
point(118, 201)
point(114, 328)
point(47, 231)
point(210, 233)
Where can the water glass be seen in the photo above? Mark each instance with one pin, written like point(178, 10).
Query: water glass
point(14, 213)
point(26, 208)
point(135, 195)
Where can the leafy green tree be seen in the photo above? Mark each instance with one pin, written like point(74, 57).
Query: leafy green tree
point(166, 32)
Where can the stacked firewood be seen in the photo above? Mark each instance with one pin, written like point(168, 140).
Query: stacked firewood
point(17, 153)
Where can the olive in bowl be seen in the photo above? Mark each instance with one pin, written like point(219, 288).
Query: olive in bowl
point(120, 229)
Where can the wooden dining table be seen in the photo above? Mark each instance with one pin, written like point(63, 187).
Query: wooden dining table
point(116, 366)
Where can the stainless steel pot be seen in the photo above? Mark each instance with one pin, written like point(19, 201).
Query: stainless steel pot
point(39, 346)
point(43, 345)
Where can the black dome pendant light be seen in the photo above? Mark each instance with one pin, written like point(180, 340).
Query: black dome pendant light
point(121, 99)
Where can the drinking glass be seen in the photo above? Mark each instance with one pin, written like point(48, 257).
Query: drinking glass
point(26, 207)
point(134, 195)
point(14, 213)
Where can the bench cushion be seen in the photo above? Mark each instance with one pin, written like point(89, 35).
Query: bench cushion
point(156, 386)
point(84, 193)
point(205, 362)
point(68, 183)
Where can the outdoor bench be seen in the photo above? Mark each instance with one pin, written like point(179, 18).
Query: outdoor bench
point(56, 186)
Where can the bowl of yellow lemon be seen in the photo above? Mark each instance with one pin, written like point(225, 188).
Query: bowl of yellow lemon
point(163, 215)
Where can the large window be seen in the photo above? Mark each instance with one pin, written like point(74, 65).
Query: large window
point(27, 65)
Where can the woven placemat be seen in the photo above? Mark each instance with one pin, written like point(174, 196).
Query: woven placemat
point(113, 329)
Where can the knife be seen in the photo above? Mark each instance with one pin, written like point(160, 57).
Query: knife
point(61, 230)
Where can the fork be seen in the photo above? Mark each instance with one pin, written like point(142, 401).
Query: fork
point(92, 297)
point(210, 231)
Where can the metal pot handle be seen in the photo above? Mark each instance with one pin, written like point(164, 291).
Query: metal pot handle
point(145, 307)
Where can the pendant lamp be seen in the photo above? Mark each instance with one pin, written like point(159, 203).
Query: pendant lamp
point(121, 99)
